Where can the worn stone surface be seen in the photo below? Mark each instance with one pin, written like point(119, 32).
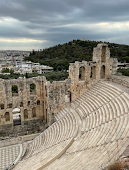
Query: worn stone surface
point(119, 79)
point(28, 127)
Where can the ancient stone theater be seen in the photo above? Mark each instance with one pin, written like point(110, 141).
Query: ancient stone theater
point(82, 121)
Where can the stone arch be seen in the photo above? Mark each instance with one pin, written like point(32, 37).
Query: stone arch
point(32, 88)
point(21, 104)
point(14, 90)
point(10, 105)
point(103, 54)
point(16, 116)
point(34, 112)
point(7, 116)
point(28, 103)
point(82, 73)
point(38, 102)
point(25, 114)
point(102, 72)
point(2, 106)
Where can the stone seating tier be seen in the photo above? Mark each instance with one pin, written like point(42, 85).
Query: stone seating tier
point(104, 114)
point(61, 130)
point(104, 130)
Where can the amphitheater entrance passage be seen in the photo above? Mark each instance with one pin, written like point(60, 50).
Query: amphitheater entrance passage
point(103, 72)
point(82, 73)
point(16, 116)
point(7, 116)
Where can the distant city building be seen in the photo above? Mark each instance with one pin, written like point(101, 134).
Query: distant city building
point(123, 65)
point(14, 60)
point(83, 39)
point(18, 64)
point(29, 67)
point(45, 69)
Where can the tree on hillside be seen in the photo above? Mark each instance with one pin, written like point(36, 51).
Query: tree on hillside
point(5, 70)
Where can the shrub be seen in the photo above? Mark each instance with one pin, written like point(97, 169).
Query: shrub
point(117, 165)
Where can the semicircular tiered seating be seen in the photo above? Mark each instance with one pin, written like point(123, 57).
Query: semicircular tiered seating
point(52, 143)
point(104, 111)
point(102, 136)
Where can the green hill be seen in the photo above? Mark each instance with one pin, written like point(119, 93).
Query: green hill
point(60, 56)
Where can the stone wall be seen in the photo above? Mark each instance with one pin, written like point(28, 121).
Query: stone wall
point(99, 68)
point(56, 95)
point(17, 140)
point(31, 103)
point(28, 127)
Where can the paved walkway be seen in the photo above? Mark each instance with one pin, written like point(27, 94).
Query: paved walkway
point(123, 88)
point(8, 155)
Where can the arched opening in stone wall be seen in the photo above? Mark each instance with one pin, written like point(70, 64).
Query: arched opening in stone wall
point(16, 116)
point(46, 115)
point(7, 116)
point(38, 102)
point(91, 72)
point(25, 114)
point(14, 90)
point(94, 72)
point(82, 73)
point(103, 53)
point(28, 103)
point(32, 88)
point(102, 72)
point(10, 105)
point(67, 97)
point(70, 95)
point(21, 104)
point(34, 112)
point(2, 106)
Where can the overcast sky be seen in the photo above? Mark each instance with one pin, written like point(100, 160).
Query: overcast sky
point(37, 24)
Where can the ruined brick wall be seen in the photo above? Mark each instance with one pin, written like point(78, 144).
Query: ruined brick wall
point(101, 56)
point(101, 67)
point(56, 95)
point(32, 105)
point(79, 85)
